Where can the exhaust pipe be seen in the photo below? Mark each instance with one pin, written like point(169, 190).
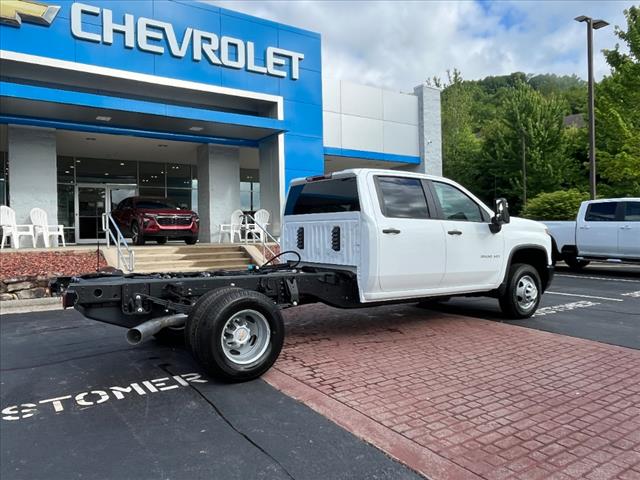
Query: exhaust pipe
point(148, 329)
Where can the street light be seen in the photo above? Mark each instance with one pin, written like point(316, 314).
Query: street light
point(591, 25)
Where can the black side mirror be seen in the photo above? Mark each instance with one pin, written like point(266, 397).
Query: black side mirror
point(501, 216)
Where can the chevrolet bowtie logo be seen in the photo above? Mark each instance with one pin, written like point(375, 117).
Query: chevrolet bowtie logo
point(14, 12)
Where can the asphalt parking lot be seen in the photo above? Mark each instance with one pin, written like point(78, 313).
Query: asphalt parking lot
point(601, 303)
point(78, 402)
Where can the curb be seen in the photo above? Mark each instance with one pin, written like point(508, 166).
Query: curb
point(31, 305)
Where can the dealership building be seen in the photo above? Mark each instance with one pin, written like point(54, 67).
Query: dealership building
point(214, 109)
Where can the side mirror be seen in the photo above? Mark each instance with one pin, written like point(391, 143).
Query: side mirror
point(501, 216)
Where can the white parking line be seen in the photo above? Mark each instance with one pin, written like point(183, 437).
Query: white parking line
point(585, 296)
point(598, 278)
point(631, 294)
point(541, 312)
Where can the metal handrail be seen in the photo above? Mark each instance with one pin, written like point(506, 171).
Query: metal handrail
point(269, 236)
point(126, 256)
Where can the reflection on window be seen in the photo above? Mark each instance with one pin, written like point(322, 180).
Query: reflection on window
point(66, 170)
point(456, 205)
point(632, 212)
point(4, 179)
point(402, 197)
point(249, 196)
point(152, 174)
point(602, 212)
point(95, 170)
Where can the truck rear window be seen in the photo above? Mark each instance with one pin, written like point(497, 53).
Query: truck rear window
point(324, 196)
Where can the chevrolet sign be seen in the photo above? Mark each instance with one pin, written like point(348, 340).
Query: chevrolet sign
point(158, 37)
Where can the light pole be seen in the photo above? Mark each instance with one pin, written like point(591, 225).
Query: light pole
point(591, 25)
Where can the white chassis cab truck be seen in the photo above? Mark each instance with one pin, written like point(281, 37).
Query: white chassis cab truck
point(605, 230)
point(351, 239)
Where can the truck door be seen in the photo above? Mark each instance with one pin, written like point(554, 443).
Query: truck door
point(597, 231)
point(474, 255)
point(411, 245)
point(629, 231)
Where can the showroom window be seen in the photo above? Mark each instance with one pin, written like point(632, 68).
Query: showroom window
point(4, 179)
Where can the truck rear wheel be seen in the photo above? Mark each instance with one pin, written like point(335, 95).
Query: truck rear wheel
point(522, 295)
point(236, 334)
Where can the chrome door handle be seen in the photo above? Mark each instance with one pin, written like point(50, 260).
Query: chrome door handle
point(625, 227)
point(585, 227)
point(454, 232)
point(393, 231)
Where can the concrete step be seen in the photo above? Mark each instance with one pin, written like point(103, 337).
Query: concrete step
point(193, 256)
point(182, 268)
point(160, 251)
point(193, 263)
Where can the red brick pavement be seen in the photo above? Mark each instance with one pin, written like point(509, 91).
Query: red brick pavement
point(455, 397)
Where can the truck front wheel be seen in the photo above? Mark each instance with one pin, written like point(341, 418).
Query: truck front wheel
point(522, 296)
point(573, 263)
point(236, 334)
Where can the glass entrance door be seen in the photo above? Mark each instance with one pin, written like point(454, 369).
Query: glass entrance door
point(91, 203)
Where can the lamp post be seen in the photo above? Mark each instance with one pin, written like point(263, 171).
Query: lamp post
point(591, 25)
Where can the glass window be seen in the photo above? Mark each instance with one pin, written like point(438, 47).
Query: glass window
point(602, 212)
point(180, 197)
point(4, 179)
point(456, 205)
point(66, 170)
point(153, 203)
point(632, 211)
point(66, 205)
point(95, 170)
point(151, 192)
point(178, 176)
point(324, 196)
point(152, 174)
point(402, 197)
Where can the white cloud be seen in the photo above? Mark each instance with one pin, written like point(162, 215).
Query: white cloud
point(398, 44)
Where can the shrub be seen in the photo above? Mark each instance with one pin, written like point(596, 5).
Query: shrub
point(558, 205)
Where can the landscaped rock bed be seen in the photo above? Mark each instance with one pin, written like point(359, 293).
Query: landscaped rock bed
point(25, 275)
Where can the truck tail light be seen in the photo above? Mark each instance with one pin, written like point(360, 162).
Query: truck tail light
point(300, 238)
point(335, 238)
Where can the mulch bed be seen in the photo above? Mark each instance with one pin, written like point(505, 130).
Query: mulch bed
point(49, 264)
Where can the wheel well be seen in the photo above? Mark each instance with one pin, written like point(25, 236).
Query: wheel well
point(535, 257)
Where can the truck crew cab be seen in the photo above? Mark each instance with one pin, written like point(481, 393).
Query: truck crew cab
point(606, 229)
point(354, 238)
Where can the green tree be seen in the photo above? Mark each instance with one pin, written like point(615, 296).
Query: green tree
point(529, 123)
point(558, 205)
point(460, 145)
point(618, 115)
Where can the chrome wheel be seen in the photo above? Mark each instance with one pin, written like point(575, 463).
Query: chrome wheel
point(526, 292)
point(245, 337)
point(135, 233)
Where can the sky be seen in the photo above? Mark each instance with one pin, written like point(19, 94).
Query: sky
point(399, 44)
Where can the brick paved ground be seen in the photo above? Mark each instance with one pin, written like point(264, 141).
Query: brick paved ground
point(470, 398)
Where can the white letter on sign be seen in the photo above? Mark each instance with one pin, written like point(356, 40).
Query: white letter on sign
point(108, 27)
point(144, 34)
point(225, 52)
point(77, 9)
point(81, 401)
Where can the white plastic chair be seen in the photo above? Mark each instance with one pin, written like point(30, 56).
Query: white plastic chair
point(257, 229)
point(12, 231)
point(42, 227)
point(234, 228)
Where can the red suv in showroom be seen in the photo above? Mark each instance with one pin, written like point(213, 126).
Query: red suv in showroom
point(149, 218)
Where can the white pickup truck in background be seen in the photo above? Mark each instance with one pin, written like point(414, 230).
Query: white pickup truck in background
point(607, 229)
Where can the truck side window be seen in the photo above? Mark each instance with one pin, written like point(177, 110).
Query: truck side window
point(402, 197)
point(456, 205)
point(632, 211)
point(601, 212)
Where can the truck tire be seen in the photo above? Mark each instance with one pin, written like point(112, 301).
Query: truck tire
point(522, 296)
point(235, 334)
point(575, 264)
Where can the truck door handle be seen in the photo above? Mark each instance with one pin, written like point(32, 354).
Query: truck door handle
point(393, 231)
point(585, 227)
point(625, 227)
point(454, 232)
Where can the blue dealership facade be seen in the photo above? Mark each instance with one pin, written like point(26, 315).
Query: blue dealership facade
point(238, 99)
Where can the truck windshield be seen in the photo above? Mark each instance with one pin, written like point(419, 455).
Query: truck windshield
point(325, 196)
